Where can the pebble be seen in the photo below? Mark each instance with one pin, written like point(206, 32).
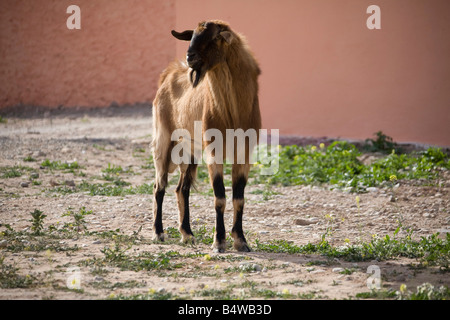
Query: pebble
point(34, 175)
point(3, 244)
point(304, 222)
point(337, 270)
point(372, 189)
point(263, 232)
point(247, 266)
point(54, 183)
point(317, 271)
point(69, 183)
point(37, 154)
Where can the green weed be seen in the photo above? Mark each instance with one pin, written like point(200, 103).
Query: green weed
point(58, 165)
point(425, 291)
point(430, 250)
point(13, 172)
point(78, 217)
point(107, 189)
point(9, 278)
point(117, 257)
point(338, 165)
point(113, 169)
point(37, 221)
point(382, 143)
point(29, 159)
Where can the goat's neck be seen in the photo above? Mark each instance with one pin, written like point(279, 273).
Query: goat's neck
point(232, 92)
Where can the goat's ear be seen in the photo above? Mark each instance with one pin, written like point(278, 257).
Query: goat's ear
point(227, 36)
point(185, 35)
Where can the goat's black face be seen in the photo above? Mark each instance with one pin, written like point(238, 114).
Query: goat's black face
point(206, 47)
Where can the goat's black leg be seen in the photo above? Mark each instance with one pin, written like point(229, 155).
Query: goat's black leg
point(187, 177)
point(157, 212)
point(216, 175)
point(239, 180)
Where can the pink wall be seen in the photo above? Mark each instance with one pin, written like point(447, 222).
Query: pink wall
point(117, 54)
point(324, 73)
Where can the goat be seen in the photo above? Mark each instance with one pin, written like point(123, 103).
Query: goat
point(219, 87)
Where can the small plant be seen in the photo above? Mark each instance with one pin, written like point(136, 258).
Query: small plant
point(9, 278)
point(117, 257)
point(37, 221)
point(382, 143)
point(425, 291)
point(113, 169)
point(29, 159)
point(430, 250)
point(13, 172)
point(116, 189)
point(339, 166)
point(66, 167)
point(58, 165)
point(79, 218)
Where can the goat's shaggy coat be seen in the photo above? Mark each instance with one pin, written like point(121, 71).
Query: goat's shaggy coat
point(218, 87)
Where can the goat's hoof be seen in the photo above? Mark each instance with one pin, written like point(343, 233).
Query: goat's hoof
point(219, 247)
point(188, 239)
point(242, 247)
point(158, 237)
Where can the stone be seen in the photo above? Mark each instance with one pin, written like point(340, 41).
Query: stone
point(304, 222)
point(317, 271)
point(54, 183)
point(69, 183)
point(38, 154)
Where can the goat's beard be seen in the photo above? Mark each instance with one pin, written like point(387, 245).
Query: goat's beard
point(198, 76)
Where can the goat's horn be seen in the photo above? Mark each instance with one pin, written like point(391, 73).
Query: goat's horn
point(185, 35)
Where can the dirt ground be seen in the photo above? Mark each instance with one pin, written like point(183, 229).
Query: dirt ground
point(300, 214)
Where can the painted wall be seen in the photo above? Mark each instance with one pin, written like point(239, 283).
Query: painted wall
point(324, 73)
point(117, 54)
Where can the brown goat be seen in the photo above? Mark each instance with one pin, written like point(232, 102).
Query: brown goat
point(218, 87)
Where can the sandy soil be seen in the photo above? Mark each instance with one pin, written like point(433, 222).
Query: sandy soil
point(300, 214)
